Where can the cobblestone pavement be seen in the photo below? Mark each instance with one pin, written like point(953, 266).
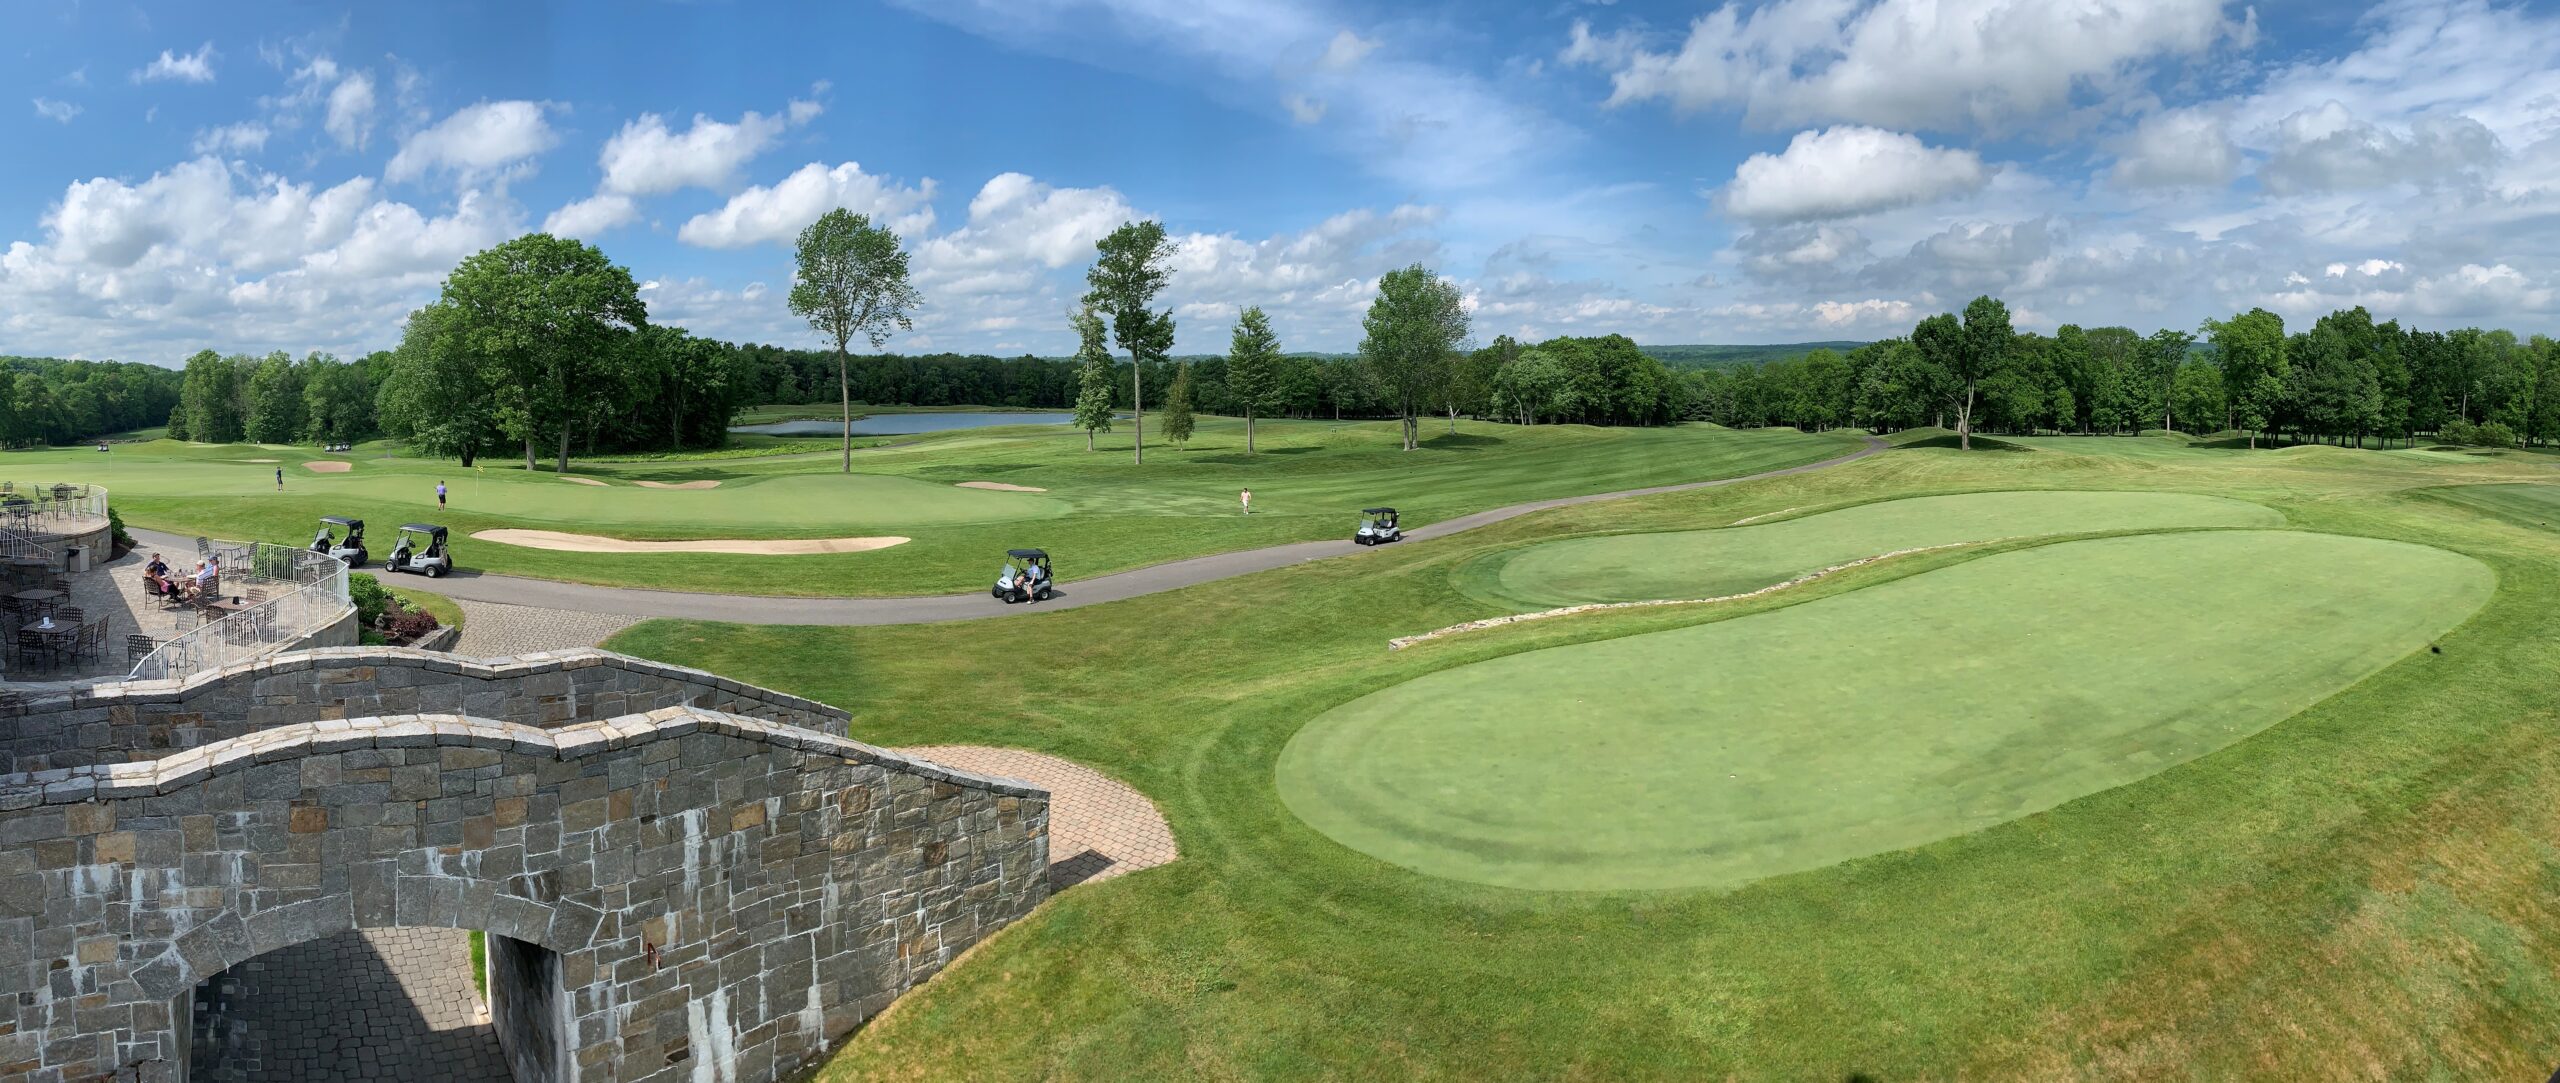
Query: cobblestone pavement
point(1098, 826)
point(492, 630)
point(393, 1005)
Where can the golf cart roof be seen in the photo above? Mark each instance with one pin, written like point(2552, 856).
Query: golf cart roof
point(423, 528)
point(1377, 511)
point(1026, 554)
point(342, 520)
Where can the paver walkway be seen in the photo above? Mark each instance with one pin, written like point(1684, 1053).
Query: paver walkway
point(1098, 826)
point(394, 1005)
point(975, 605)
point(493, 630)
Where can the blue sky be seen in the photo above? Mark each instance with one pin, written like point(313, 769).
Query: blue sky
point(301, 176)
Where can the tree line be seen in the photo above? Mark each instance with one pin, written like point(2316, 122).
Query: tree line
point(2345, 378)
point(46, 400)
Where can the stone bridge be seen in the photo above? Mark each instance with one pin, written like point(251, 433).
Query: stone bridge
point(680, 877)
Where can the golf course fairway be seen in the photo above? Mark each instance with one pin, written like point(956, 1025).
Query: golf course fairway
point(2522, 503)
point(1714, 563)
point(1877, 720)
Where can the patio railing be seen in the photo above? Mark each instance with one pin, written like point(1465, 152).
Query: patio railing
point(308, 590)
point(46, 507)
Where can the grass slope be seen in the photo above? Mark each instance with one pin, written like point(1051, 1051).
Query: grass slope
point(1101, 513)
point(1714, 563)
point(2364, 889)
point(1880, 720)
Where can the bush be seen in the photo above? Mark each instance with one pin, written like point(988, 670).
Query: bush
point(410, 625)
point(120, 541)
point(2492, 434)
point(370, 598)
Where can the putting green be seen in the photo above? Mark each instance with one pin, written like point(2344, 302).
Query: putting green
point(1866, 722)
point(2523, 503)
point(1714, 563)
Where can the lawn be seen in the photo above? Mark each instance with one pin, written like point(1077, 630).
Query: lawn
point(1099, 514)
point(1713, 563)
point(2362, 888)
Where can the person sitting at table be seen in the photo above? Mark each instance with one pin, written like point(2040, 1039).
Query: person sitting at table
point(206, 575)
point(155, 577)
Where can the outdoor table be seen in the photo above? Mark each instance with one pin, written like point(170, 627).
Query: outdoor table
point(226, 606)
point(59, 638)
point(38, 597)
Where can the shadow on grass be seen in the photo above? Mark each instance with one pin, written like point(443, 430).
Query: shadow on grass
point(1980, 443)
point(1461, 439)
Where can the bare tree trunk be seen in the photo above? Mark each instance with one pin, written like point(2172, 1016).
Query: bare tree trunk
point(844, 398)
point(1088, 439)
point(1137, 409)
point(1248, 429)
point(529, 462)
point(1964, 422)
point(563, 465)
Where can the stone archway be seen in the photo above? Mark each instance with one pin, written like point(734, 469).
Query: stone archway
point(397, 1004)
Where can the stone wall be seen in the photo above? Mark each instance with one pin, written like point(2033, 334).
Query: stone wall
point(136, 720)
point(727, 895)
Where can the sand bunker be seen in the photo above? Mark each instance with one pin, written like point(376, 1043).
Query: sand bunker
point(585, 481)
point(328, 466)
point(684, 485)
point(1000, 487)
point(261, 460)
point(774, 547)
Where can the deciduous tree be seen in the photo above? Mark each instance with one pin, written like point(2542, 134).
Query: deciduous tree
point(851, 281)
point(1413, 329)
point(1253, 360)
point(1127, 274)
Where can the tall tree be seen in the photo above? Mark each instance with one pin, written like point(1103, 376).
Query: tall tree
point(1093, 375)
point(547, 318)
point(2251, 346)
point(1177, 406)
point(275, 399)
point(210, 398)
point(1413, 329)
point(337, 401)
point(1253, 360)
point(852, 280)
point(1127, 274)
point(436, 395)
point(2162, 354)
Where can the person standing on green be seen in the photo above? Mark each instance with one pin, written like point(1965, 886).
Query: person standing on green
point(279, 479)
point(439, 494)
point(1248, 501)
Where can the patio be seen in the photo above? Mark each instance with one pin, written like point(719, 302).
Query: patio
point(111, 593)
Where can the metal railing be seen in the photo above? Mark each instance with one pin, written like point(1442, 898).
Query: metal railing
point(48, 507)
point(309, 591)
point(14, 546)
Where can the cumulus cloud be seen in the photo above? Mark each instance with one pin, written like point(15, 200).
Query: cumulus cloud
point(1303, 109)
point(240, 138)
point(1845, 171)
point(776, 214)
point(2329, 149)
point(2176, 149)
point(592, 216)
point(1345, 51)
point(58, 112)
point(646, 157)
point(351, 109)
point(476, 143)
point(1936, 64)
point(195, 67)
point(1016, 226)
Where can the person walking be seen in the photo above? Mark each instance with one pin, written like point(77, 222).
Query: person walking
point(1247, 498)
point(439, 495)
point(279, 479)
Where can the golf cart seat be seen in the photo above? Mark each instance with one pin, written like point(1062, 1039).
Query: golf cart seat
point(1377, 527)
point(1027, 577)
point(348, 546)
point(421, 549)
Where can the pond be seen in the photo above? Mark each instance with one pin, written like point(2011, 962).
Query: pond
point(909, 424)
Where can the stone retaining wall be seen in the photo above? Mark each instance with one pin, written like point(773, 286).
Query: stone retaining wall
point(727, 895)
point(136, 720)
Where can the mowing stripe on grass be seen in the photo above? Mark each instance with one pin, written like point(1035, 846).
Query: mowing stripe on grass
point(1872, 721)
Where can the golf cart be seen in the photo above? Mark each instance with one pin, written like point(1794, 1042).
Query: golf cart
point(349, 549)
point(1377, 527)
point(421, 550)
point(1025, 577)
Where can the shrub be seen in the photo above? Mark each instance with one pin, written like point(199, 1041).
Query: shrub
point(409, 625)
point(2492, 434)
point(370, 598)
point(116, 536)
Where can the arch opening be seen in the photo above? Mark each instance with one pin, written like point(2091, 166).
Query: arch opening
point(396, 1003)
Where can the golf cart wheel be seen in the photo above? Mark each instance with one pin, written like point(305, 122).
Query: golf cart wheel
point(435, 571)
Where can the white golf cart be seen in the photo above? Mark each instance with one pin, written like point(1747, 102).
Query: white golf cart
point(349, 549)
point(1377, 527)
point(421, 549)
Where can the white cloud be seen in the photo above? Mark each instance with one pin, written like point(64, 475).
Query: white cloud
point(351, 108)
point(592, 216)
point(1846, 171)
point(2328, 149)
point(476, 143)
point(58, 112)
point(646, 158)
point(1345, 52)
point(776, 214)
point(1303, 109)
point(240, 138)
point(1018, 226)
point(1935, 64)
point(2180, 148)
point(195, 67)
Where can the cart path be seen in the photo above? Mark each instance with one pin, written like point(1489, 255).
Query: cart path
point(466, 585)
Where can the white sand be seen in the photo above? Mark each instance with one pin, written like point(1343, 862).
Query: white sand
point(260, 460)
point(773, 547)
point(329, 466)
point(679, 485)
point(999, 487)
point(586, 481)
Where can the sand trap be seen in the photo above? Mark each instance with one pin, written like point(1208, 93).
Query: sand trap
point(689, 485)
point(776, 547)
point(325, 466)
point(585, 481)
point(261, 460)
point(1000, 487)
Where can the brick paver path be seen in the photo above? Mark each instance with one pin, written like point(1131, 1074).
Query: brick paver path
point(370, 1004)
point(492, 630)
point(1098, 826)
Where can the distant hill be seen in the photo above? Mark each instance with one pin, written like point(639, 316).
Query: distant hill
point(1701, 357)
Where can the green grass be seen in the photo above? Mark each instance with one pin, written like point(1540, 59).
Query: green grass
point(1715, 563)
point(2362, 889)
point(447, 613)
point(1722, 753)
point(2528, 504)
point(1101, 513)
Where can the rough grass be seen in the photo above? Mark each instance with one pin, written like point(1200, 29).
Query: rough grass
point(2361, 890)
point(1100, 513)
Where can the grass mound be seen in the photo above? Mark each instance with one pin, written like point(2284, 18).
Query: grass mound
point(1712, 563)
point(1861, 723)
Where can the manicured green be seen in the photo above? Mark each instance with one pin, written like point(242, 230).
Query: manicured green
point(1880, 720)
point(2360, 890)
point(1715, 563)
point(2529, 504)
point(1100, 513)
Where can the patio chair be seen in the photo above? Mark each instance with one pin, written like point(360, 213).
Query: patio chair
point(33, 648)
point(204, 547)
point(92, 641)
point(69, 614)
point(138, 647)
point(257, 596)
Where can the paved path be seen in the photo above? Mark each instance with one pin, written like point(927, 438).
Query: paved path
point(494, 630)
point(976, 605)
point(367, 1004)
point(1098, 826)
